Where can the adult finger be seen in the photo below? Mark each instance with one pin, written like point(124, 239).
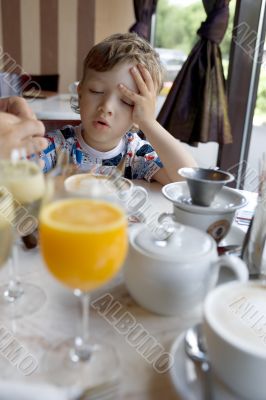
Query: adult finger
point(19, 107)
point(29, 127)
point(30, 145)
point(7, 120)
point(34, 144)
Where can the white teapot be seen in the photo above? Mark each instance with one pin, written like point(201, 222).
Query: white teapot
point(172, 276)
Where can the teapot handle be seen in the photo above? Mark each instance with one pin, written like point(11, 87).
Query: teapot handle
point(236, 265)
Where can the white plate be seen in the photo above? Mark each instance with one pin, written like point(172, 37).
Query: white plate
point(227, 199)
point(187, 377)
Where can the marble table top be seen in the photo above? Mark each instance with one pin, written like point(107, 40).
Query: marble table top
point(54, 108)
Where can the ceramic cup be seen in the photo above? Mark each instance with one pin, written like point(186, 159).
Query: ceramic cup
point(173, 276)
point(215, 219)
point(118, 189)
point(235, 331)
point(73, 87)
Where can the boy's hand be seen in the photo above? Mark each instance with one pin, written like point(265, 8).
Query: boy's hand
point(144, 101)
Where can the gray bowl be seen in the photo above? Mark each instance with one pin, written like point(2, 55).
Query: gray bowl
point(204, 183)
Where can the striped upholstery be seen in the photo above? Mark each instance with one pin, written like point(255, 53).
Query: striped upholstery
point(53, 36)
point(46, 37)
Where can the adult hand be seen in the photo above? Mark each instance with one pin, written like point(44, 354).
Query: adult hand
point(17, 106)
point(18, 132)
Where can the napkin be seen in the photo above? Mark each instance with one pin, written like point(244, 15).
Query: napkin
point(18, 390)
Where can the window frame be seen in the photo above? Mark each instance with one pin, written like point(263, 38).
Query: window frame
point(242, 84)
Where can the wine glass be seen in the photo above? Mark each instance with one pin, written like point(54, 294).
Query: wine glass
point(5, 229)
point(23, 184)
point(83, 240)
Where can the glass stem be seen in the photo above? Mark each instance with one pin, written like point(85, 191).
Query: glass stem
point(82, 350)
point(85, 300)
point(14, 289)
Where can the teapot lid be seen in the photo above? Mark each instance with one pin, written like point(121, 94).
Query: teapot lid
point(182, 244)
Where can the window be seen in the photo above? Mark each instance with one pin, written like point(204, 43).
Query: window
point(176, 25)
point(175, 31)
point(257, 144)
point(177, 22)
point(246, 90)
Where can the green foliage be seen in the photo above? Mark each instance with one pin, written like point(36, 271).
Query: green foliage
point(176, 26)
point(261, 95)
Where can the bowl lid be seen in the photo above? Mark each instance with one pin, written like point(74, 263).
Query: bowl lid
point(226, 200)
point(184, 244)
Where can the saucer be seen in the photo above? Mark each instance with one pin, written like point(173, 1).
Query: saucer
point(187, 377)
point(234, 236)
point(226, 200)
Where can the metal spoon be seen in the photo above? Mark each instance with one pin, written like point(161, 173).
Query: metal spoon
point(196, 351)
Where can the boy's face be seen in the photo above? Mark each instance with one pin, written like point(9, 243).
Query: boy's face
point(106, 114)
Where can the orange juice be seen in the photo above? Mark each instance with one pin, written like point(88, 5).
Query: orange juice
point(83, 241)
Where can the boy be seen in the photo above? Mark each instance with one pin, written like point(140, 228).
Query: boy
point(121, 77)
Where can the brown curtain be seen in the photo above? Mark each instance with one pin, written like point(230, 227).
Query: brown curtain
point(196, 108)
point(144, 9)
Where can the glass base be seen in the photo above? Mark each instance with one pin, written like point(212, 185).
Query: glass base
point(102, 368)
point(30, 299)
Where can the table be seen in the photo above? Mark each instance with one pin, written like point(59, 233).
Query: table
point(54, 108)
point(59, 319)
point(55, 111)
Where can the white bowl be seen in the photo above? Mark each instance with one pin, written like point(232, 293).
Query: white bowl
point(73, 87)
point(215, 219)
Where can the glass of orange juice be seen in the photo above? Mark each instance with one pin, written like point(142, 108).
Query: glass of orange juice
point(83, 241)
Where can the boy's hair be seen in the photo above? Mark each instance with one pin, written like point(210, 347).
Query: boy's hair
point(121, 48)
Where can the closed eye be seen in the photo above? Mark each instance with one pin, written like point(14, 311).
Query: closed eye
point(95, 92)
point(126, 103)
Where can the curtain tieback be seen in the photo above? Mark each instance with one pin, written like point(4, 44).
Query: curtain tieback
point(214, 27)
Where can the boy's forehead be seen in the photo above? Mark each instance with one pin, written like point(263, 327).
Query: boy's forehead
point(119, 73)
